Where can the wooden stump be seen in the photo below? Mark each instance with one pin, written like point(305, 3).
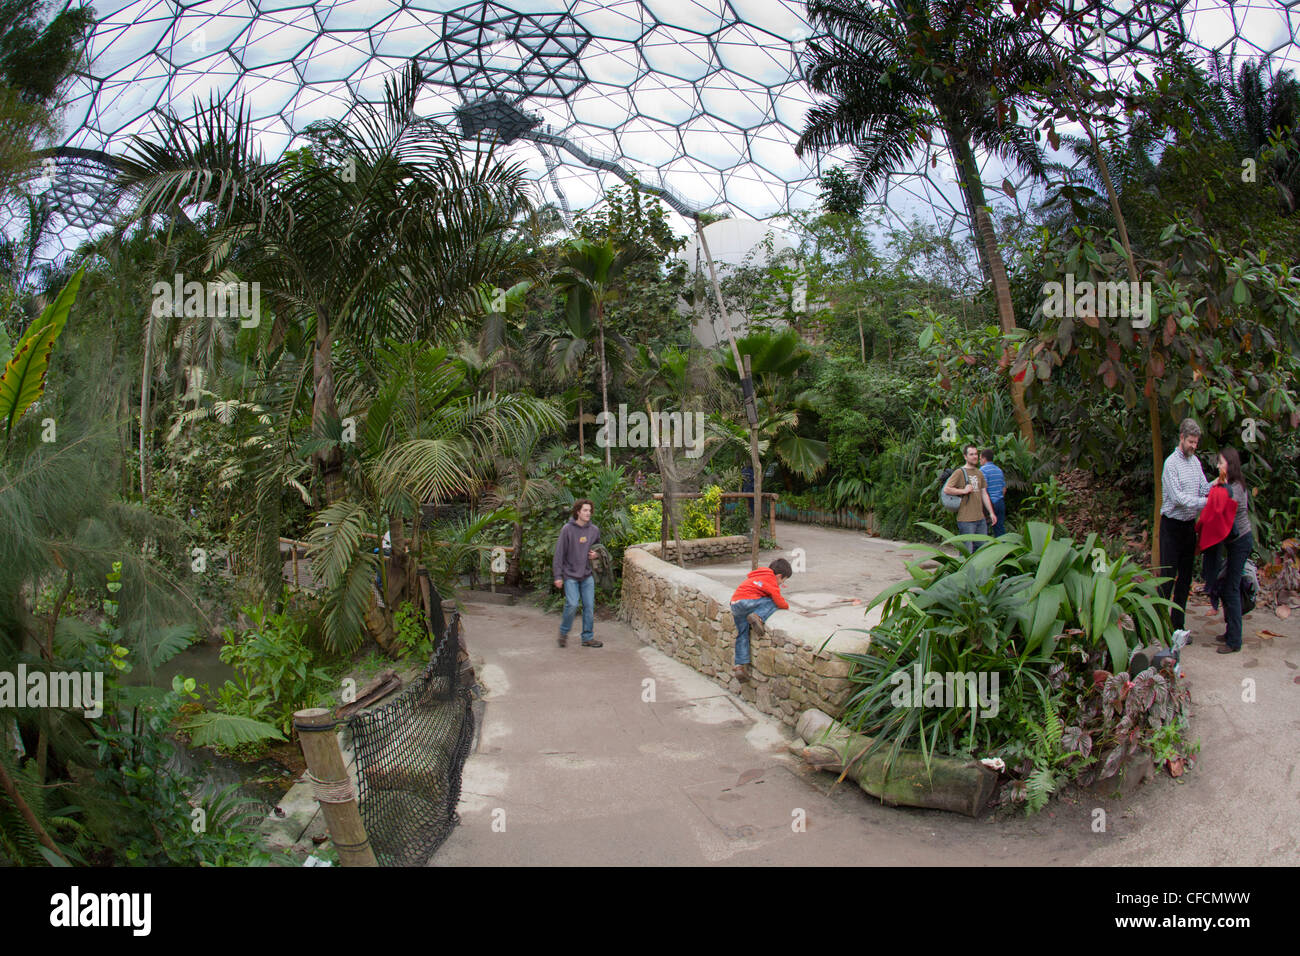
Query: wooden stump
point(961, 786)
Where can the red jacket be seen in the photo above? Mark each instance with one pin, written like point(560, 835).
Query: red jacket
point(1216, 518)
point(761, 583)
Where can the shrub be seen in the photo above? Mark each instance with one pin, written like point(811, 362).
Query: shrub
point(1039, 614)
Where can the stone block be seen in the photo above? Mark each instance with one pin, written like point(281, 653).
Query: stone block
point(833, 668)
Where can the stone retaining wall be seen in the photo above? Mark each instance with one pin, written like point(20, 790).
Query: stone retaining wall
point(702, 550)
point(688, 616)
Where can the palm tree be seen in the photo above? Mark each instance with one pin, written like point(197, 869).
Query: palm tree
point(933, 69)
point(496, 347)
point(775, 357)
point(1258, 111)
point(426, 438)
point(518, 487)
point(566, 353)
point(590, 276)
point(384, 227)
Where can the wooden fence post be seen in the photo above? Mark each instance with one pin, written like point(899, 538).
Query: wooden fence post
point(333, 787)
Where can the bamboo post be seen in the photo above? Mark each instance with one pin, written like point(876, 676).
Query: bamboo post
point(293, 550)
point(333, 787)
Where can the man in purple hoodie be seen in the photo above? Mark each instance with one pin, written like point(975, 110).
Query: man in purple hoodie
point(572, 569)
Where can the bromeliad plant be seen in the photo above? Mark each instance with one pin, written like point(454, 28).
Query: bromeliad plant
point(1008, 613)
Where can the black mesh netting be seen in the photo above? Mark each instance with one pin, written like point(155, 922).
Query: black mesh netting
point(409, 757)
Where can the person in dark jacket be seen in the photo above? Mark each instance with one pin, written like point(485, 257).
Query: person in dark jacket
point(574, 552)
point(757, 599)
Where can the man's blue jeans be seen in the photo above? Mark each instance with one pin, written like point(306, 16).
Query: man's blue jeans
point(740, 611)
point(586, 590)
point(973, 527)
point(1000, 509)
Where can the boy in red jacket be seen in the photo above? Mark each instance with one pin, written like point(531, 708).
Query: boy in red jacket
point(753, 603)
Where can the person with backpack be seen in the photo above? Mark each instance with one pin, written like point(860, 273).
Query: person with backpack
point(969, 484)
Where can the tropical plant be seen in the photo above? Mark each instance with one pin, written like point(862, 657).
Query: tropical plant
point(277, 676)
point(1009, 610)
point(590, 278)
point(775, 357)
point(1046, 500)
point(23, 381)
point(382, 227)
point(426, 439)
point(519, 488)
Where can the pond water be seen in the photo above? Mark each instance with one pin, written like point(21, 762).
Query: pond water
point(201, 661)
point(266, 780)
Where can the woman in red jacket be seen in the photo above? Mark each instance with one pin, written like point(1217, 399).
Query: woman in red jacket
point(1233, 551)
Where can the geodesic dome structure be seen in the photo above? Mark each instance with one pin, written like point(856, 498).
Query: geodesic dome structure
point(700, 97)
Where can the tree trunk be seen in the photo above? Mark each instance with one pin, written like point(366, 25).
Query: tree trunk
point(400, 581)
point(328, 460)
point(948, 783)
point(747, 395)
point(604, 394)
point(514, 570)
point(144, 406)
point(1149, 389)
point(11, 790)
point(1157, 468)
point(582, 447)
point(991, 260)
point(1007, 322)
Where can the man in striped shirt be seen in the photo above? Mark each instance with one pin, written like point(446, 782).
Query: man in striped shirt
point(997, 483)
point(1185, 491)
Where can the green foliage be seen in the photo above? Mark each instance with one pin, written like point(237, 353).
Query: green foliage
point(696, 521)
point(1010, 609)
point(143, 811)
point(277, 675)
point(23, 380)
point(1046, 500)
point(1169, 742)
point(1051, 763)
point(411, 634)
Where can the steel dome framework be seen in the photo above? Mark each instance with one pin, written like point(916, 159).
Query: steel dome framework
point(701, 97)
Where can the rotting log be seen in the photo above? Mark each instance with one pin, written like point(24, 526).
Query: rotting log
point(960, 786)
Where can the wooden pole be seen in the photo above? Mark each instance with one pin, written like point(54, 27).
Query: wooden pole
point(333, 787)
point(747, 393)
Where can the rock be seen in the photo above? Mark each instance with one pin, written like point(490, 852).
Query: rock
point(832, 668)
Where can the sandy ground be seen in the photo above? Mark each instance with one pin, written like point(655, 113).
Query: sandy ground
point(622, 756)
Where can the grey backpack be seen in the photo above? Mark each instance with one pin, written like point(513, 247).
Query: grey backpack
point(952, 502)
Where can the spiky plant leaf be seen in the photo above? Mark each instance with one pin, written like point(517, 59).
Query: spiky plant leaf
point(23, 381)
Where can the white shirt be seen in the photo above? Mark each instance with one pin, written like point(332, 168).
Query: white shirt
point(1185, 487)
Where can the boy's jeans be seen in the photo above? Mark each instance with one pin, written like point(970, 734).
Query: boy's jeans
point(586, 590)
point(740, 611)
